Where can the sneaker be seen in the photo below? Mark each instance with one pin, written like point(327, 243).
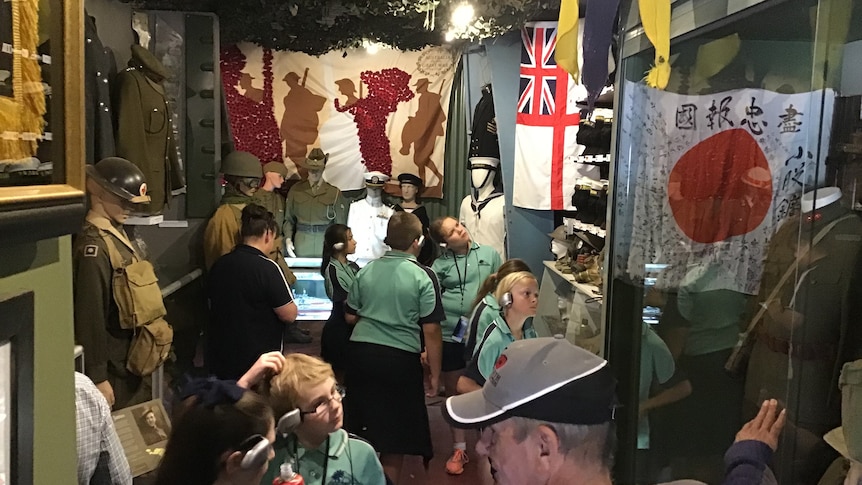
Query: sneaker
point(455, 463)
point(293, 335)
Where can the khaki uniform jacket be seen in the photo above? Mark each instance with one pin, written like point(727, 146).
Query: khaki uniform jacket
point(97, 320)
point(145, 133)
point(322, 207)
point(273, 202)
point(222, 234)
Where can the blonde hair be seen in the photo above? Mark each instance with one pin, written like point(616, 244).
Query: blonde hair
point(509, 281)
point(299, 373)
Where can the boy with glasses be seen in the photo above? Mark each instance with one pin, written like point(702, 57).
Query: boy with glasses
point(319, 449)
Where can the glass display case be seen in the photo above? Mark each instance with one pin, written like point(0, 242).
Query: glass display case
point(309, 289)
point(739, 179)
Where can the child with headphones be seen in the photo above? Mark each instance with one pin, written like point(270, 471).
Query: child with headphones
point(460, 269)
point(338, 274)
point(221, 434)
point(518, 295)
point(318, 448)
point(485, 307)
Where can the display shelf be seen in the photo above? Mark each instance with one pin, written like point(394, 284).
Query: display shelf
point(569, 308)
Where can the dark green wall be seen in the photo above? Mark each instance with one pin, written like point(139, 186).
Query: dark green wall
point(45, 267)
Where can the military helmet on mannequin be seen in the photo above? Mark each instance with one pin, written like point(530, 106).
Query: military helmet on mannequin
point(121, 178)
point(241, 164)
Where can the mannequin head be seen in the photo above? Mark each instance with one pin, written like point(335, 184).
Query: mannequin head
point(274, 174)
point(117, 188)
point(482, 171)
point(314, 176)
point(242, 171)
point(559, 248)
point(410, 186)
point(374, 182)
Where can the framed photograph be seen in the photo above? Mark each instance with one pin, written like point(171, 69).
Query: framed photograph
point(41, 116)
point(143, 430)
point(16, 388)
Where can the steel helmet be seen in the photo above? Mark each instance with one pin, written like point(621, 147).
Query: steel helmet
point(241, 164)
point(121, 178)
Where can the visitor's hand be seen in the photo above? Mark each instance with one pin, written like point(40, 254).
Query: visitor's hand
point(268, 363)
point(105, 388)
point(289, 248)
point(432, 386)
point(766, 426)
point(423, 358)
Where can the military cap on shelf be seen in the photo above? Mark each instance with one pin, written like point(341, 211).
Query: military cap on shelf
point(277, 167)
point(316, 160)
point(376, 179)
point(594, 241)
point(409, 178)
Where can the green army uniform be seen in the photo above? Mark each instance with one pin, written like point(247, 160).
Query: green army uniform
point(823, 299)
point(144, 126)
point(348, 460)
point(384, 318)
point(308, 212)
point(491, 344)
point(222, 233)
point(97, 320)
point(460, 277)
point(273, 202)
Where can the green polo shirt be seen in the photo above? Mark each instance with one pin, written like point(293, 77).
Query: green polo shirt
point(350, 461)
point(491, 345)
point(393, 297)
point(656, 364)
point(338, 277)
point(485, 312)
point(460, 277)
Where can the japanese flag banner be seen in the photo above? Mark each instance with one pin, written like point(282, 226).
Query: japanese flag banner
point(712, 177)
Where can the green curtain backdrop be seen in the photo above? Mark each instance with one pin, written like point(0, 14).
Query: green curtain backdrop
point(457, 178)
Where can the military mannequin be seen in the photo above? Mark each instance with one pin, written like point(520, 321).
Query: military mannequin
point(116, 188)
point(411, 186)
point(482, 212)
point(144, 127)
point(809, 329)
point(369, 218)
point(242, 172)
point(268, 195)
point(312, 206)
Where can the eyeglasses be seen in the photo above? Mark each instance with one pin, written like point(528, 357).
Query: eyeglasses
point(338, 394)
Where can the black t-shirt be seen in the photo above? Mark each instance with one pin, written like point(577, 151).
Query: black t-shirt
point(244, 286)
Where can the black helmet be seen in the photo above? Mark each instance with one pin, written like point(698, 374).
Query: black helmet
point(241, 164)
point(120, 177)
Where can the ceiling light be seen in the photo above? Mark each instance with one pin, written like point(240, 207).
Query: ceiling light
point(450, 36)
point(463, 15)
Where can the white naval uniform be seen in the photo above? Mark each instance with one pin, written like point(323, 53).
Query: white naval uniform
point(487, 226)
point(368, 225)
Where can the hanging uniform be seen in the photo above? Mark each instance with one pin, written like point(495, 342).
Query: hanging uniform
point(308, 212)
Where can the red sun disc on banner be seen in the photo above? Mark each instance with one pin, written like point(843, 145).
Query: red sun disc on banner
point(721, 187)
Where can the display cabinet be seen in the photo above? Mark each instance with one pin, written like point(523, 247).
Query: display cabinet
point(708, 180)
point(309, 291)
point(569, 308)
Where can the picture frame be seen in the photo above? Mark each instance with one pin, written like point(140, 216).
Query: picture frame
point(17, 320)
point(143, 430)
point(37, 206)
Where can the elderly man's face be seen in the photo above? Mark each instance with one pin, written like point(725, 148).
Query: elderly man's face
point(514, 463)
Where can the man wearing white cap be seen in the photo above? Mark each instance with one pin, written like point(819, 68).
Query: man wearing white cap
point(368, 219)
point(546, 414)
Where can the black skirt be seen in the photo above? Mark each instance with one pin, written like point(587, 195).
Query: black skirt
point(335, 337)
point(385, 401)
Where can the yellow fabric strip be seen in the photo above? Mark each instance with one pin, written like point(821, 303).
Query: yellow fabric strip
point(566, 53)
point(655, 17)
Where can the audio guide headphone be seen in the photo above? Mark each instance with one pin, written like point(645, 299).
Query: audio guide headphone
point(258, 452)
point(506, 300)
point(421, 240)
point(338, 246)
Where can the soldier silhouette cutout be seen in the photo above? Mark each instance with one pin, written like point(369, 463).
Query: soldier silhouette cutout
point(251, 92)
point(386, 88)
point(422, 129)
point(299, 124)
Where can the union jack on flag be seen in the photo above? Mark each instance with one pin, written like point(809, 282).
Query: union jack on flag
point(547, 122)
point(539, 74)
